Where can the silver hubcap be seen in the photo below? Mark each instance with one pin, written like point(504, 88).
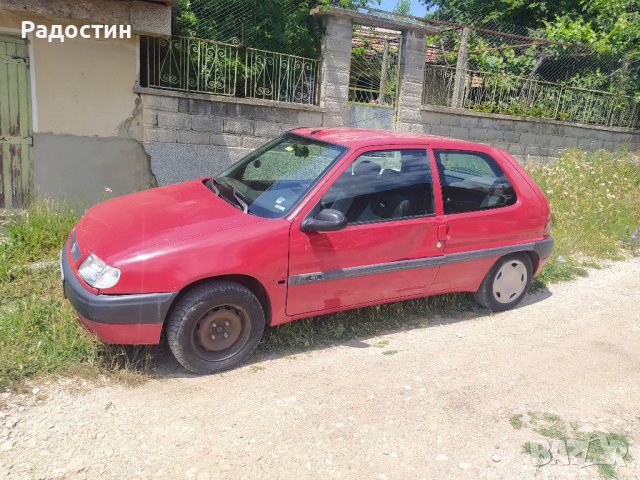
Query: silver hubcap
point(510, 281)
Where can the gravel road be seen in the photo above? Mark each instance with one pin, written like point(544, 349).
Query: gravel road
point(430, 402)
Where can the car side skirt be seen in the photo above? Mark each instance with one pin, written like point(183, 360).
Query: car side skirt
point(542, 248)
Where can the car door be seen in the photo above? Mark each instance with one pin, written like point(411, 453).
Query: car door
point(387, 249)
point(483, 209)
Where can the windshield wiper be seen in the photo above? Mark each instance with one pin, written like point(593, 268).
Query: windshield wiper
point(241, 201)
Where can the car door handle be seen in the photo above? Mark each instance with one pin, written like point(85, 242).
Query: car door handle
point(442, 232)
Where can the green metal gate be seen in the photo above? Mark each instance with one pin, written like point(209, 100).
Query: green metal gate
point(15, 124)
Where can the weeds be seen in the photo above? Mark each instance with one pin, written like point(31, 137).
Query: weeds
point(39, 332)
point(553, 427)
point(595, 205)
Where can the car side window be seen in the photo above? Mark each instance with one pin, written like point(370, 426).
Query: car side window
point(383, 185)
point(472, 181)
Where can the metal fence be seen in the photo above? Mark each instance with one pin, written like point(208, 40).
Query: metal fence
point(511, 95)
point(218, 68)
point(189, 64)
point(483, 65)
point(280, 77)
point(508, 69)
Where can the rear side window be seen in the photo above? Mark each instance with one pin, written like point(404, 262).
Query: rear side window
point(472, 181)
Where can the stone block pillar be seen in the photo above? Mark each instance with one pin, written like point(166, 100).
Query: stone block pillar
point(412, 54)
point(335, 62)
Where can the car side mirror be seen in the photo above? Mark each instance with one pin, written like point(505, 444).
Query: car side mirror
point(327, 220)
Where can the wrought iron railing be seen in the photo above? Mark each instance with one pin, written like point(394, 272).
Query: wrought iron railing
point(207, 66)
point(189, 64)
point(280, 77)
point(511, 95)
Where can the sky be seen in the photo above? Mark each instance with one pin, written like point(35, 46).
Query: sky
point(417, 8)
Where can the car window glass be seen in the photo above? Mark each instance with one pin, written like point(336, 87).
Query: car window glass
point(274, 178)
point(472, 181)
point(383, 185)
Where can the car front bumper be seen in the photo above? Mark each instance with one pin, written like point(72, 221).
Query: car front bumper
point(125, 319)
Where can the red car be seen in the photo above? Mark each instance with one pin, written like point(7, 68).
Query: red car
point(317, 221)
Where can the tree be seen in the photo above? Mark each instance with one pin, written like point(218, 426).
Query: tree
point(403, 7)
point(526, 13)
point(277, 25)
point(611, 27)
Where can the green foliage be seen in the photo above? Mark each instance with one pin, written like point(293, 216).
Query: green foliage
point(552, 426)
point(39, 331)
point(530, 14)
point(595, 205)
point(403, 7)
point(275, 25)
point(610, 27)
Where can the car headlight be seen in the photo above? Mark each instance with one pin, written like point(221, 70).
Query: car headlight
point(97, 273)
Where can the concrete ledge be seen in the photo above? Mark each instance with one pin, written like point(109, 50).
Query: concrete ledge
point(515, 118)
point(376, 21)
point(143, 16)
point(222, 99)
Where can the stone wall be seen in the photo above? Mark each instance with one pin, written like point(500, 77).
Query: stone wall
point(526, 138)
point(192, 135)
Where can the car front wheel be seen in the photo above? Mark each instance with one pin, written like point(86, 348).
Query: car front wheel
point(215, 326)
point(506, 284)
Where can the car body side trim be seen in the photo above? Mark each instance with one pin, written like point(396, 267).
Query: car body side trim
point(542, 248)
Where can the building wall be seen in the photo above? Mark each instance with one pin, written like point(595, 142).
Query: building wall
point(192, 135)
point(86, 118)
point(526, 138)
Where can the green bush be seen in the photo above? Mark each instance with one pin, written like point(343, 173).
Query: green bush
point(595, 205)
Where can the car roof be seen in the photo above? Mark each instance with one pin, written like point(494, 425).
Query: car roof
point(364, 137)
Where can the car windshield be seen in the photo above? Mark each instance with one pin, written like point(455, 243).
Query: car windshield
point(270, 181)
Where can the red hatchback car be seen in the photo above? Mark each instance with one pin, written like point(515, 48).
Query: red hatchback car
point(316, 221)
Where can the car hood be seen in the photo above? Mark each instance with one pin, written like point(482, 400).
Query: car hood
point(148, 223)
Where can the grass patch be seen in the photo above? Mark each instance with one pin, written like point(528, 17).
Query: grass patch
point(363, 322)
point(39, 332)
point(595, 206)
point(592, 448)
point(516, 421)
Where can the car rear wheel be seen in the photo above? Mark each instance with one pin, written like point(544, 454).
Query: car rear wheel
point(506, 284)
point(215, 326)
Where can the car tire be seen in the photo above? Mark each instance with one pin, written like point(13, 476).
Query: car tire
point(215, 326)
point(506, 284)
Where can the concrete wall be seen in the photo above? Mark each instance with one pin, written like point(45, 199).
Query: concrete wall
point(526, 138)
point(192, 135)
point(86, 119)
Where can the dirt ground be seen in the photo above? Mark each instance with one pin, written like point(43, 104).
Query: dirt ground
point(431, 402)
